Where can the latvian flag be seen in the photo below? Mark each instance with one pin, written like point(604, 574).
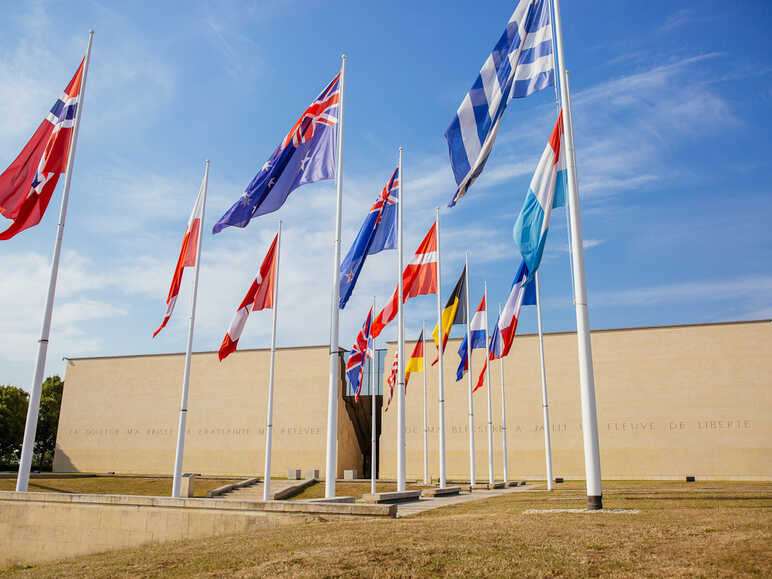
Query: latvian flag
point(27, 185)
point(259, 297)
point(477, 328)
point(418, 279)
point(188, 253)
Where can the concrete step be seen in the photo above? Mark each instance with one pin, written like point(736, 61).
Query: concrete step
point(438, 492)
point(394, 497)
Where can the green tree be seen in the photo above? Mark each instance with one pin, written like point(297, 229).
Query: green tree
point(13, 413)
point(48, 422)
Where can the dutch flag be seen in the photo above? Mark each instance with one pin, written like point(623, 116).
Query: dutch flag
point(477, 328)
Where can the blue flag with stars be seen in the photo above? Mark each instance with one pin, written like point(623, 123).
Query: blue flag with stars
point(306, 155)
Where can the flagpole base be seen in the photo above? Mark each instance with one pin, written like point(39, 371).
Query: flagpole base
point(594, 502)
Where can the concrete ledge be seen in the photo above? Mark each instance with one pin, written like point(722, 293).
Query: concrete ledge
point(231, 487)
point(393, 497)
point(331, 500)
point(438, 492)
point(292, 490)
point(512, 483)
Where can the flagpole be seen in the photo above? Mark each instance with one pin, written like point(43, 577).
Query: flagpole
point(401, 483)
point(178, 454)
point(426, 429)
point(584, 345)
point(491, 478)
point(372, 409)
point(30, 427)
point(503, 414)
point(472, 476)
point(544, 403)
point(441, 389)
point(331, 464)
point(269, 416)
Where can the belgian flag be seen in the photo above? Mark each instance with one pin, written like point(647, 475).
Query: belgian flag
point(454, 312)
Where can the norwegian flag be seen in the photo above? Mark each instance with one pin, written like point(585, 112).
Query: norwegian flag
point(392, 379)
point(259, 297)
point(27, 185)
point(188, 252)
point(418, 279)
point(362, 349)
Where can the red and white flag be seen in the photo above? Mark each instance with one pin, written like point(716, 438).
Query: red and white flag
point(418, 279)
point(259, 297)
point(188, 253)
point(27, 185)
point(392, 379)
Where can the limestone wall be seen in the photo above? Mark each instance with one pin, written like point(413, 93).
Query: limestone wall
point(120, 414)
point(673, 401)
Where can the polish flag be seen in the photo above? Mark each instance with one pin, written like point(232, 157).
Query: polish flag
point(188, 253)
point(418, 279)
point(259, 297)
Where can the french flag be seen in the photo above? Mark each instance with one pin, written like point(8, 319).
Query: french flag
point(259, 297)
point(546, 192)
point(522, 293)
point(188, 253)
point(477, 328)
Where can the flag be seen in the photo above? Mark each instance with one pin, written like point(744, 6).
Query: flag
point(27, 185)
point(306, 155)
point(378, 232)
point(188, 254)
point(454, 313)
point(546, 192)
point(521, 63)
point(415, 363)
point(392, 379)
point(477, 328)
point(418, 279)
point(259, 297)
point(522, 293)
point(362, 347)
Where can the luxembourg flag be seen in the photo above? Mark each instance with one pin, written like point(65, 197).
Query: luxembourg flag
point(477, 328)
point(546, 192)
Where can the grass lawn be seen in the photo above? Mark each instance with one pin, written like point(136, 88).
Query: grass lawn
point(111, 485)
point(683, 529)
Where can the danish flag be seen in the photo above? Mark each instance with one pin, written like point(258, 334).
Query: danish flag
point(27, 185)
point(259, 297)
point(418, 279)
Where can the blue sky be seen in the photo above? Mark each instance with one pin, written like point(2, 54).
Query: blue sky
point(672, 120)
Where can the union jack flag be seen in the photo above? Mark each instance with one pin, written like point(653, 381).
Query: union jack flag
point(323, 110)
point(378, 232)
point(363, 347)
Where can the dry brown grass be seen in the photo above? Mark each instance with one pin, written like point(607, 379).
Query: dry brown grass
point(111, 485)
point(715, 529)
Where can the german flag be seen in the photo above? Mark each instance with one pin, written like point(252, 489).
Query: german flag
point(416, 361)
point(454, 312)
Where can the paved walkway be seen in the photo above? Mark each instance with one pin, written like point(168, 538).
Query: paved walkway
point(426, 504)
point(255, 492)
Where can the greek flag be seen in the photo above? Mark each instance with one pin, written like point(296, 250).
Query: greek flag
point(521, 63)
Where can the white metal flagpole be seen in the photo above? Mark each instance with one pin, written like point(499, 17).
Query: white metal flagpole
point(584, 345)
point(373, 452)
point(331, 463)
point(544, 403)
point(36, 388)
point(269, 413)
point(401, 482)
point(503, 416)
point(472, 476)
point(491, 478)
point(426, 428)
point(441, 378)
point(181, 427)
